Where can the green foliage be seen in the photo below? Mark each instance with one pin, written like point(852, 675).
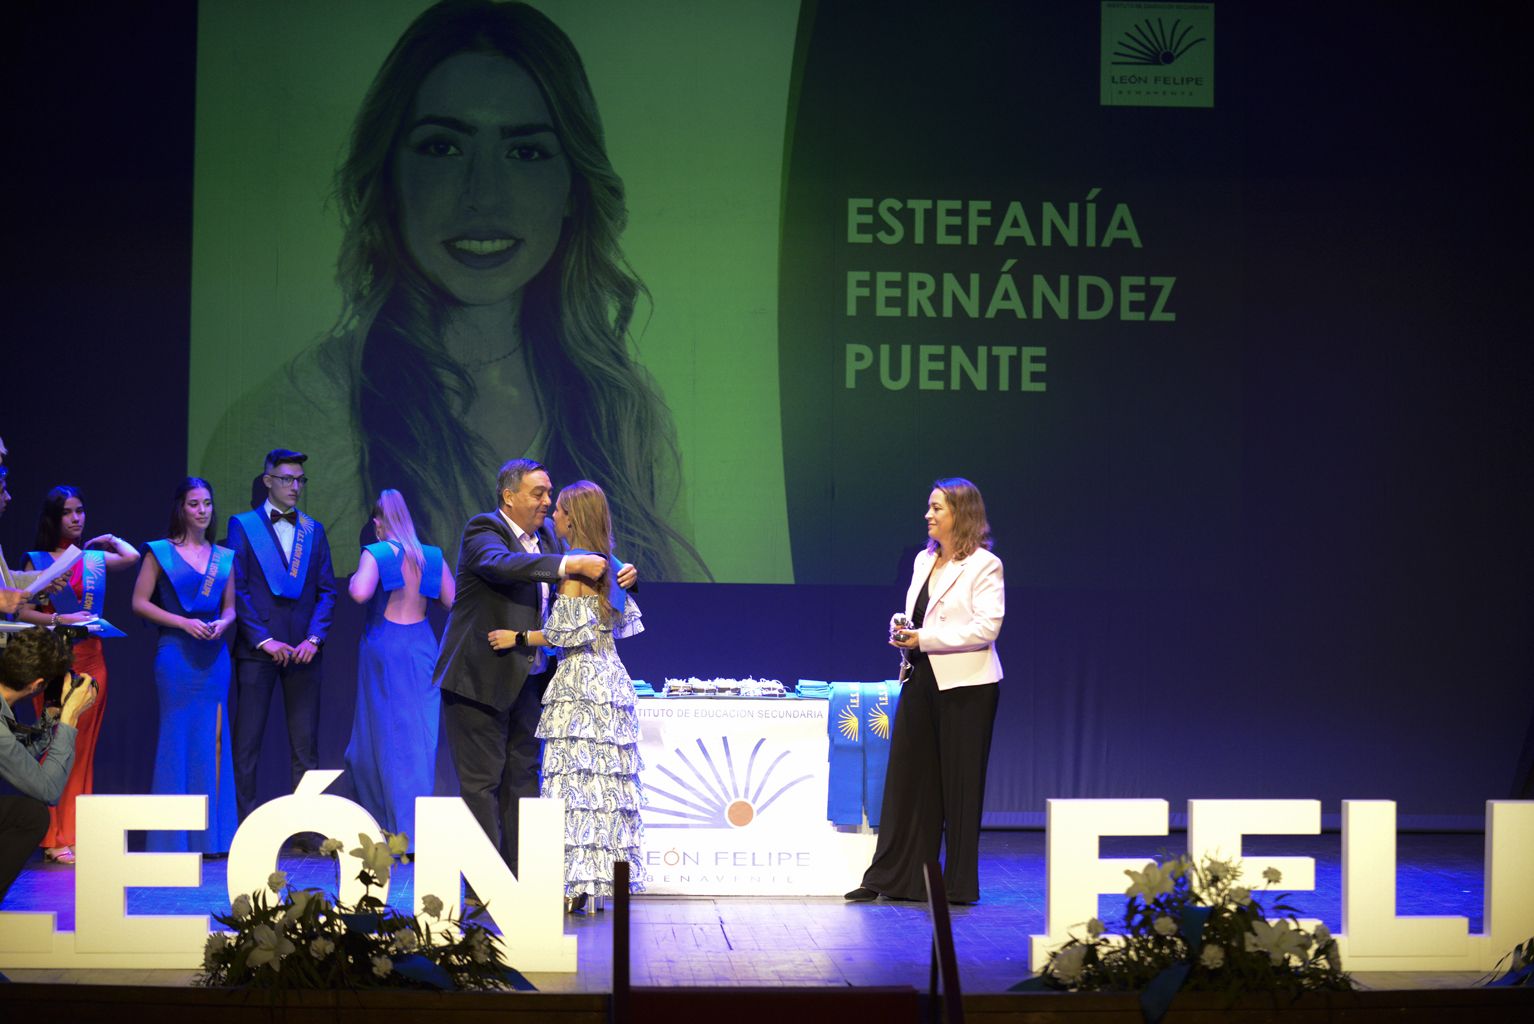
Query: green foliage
point(1198, 925)
point(286, 938)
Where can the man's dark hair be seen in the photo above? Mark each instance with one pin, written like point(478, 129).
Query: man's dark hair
point(277, 456)
point(34, 654)
point(511, 474)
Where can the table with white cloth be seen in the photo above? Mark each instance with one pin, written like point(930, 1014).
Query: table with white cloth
point(737, 799)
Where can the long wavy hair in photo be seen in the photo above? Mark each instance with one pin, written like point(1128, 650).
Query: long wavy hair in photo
point(603, 414)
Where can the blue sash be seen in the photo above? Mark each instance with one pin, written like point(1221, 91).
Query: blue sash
point(284, 580)
point(844, 789)
point(391, 574)
point(616, 595)
point(93, 580)
point(199, 593)
point(880, 701)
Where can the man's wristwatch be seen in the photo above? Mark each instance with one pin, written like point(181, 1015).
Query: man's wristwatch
point(316, 641)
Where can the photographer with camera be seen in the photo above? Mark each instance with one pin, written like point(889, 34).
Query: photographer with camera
point(35, 760)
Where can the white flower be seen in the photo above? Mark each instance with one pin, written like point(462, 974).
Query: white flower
point(1067, 964)
point(1272, 876)
point(479, 946)
point(1213, 957)
point(1218, 869)
point(375, 857)
point(321, 947)
point(399, 843)
point(1164, 925)
point(240, 908)
point(300, 900)
point(276, 880)
point(403, 941)
point(331, 846)
point(1279, 941)
point(431, 905)
point(382, 965)
point(1094, 928)
point(1241, 895)
point(1322, 935)
point(271, 945)
point(1150, 883)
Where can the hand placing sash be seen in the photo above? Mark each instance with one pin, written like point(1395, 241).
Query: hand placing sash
point(93, 585)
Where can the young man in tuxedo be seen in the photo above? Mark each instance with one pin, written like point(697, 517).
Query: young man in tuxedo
point(508, 563)
point(284, 593)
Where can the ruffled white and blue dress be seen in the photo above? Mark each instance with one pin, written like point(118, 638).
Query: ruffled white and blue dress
point(591, 735)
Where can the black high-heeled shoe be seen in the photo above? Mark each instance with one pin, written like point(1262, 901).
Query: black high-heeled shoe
point(575, 904)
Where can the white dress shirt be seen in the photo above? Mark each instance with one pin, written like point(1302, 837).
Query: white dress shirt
point(285, 530)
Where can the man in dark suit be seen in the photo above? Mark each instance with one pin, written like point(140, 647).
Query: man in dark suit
point(508, 563)
point(284, 594)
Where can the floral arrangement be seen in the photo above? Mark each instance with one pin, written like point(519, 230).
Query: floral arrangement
point(1195, 926)
point(299, 938)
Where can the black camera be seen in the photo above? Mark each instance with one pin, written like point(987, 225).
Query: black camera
point(53, 686)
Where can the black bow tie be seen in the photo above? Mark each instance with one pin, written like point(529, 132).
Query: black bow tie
point(290, 516)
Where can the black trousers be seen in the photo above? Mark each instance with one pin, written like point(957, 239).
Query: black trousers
point(934, 792)
point(255, 679)
point(498, 756)
point(23, 823)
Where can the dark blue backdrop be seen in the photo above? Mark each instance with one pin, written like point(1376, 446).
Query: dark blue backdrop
point(1376, 640)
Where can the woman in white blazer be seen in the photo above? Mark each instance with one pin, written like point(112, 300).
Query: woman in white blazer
point(935, 789)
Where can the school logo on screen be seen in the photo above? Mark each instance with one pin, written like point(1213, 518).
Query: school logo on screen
point(711, 789)
point(1157, 55)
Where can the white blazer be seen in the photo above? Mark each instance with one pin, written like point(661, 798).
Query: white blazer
point(965, 605)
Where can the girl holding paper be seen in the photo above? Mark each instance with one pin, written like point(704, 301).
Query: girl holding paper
point(60, 526)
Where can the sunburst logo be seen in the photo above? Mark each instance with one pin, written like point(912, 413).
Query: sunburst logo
point(847, 723)
point(879, 722)
point(1151, 43)
point(711, 793)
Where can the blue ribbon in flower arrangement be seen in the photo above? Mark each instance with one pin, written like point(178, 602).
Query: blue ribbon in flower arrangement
point(879, 703)
point(844, 791)
point(1156, 998)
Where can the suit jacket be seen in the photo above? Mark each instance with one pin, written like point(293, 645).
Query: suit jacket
point(966, 601)
point(497, 588)
point(260, 614)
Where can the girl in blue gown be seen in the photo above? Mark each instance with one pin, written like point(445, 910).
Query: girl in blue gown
point(392, 756)
point(186, 587)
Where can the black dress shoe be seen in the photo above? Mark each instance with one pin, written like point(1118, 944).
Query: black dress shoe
point(862, 894)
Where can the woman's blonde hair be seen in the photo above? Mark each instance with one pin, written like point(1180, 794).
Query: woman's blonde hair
point(591, 528)
point(390, 510)
point(971, 529)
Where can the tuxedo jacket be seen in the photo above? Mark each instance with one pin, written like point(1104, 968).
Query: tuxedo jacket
point(966, 601)
point(497, 588)
point(260, 614)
